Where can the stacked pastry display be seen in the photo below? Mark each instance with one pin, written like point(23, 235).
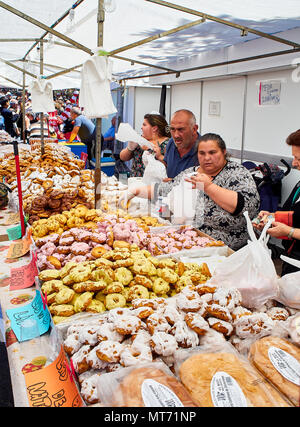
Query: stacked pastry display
point(156, 328)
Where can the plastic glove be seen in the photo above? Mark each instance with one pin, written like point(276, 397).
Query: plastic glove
point(132, 145)
point(124, 200)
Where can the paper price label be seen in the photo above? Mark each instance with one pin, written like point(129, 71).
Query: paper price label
point(53, 386)
point(285, 364)
point(156, 394)
point(225, 392)
point(34, 314)
point(23, 277)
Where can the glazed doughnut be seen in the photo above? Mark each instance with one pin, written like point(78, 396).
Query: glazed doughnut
point(227, 297)
point(123, 275)
point(114, 288)
point(80, 248)
point(184, 336)
point(140, 302)
point(130, 356)
point(81, 273)
point(110, 236)
point(189, 300)
point(143, 312)
point(240, 311)
point(128, 262)
point(98, 237)
point(157, 323)
point(220, 326)
point(278, 313)
point(120, 254)
point(83, 301)
point(142, 280)
point(138, 291)
point(66, 240)
point(98, 251)
point(163, 344)
point(79, 359)
point(219, 311)
point(127, 325)
point(172, 315)
point(54, 261)
point(168, 275)
point(46, 275)
point(160, 286)
point(114, 301)
point(109, 351)
point(196, 322)
point(121, 244)
point(205, 289)
point(143, 267)
point(255, 325)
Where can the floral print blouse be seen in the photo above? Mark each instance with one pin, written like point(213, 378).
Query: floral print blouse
point(138, 167)
point(214, 220)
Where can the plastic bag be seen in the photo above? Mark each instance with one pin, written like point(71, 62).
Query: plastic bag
point(148, 385)
point(218, 376)
point(289, 286)
point(155, 171)
point(251, 270)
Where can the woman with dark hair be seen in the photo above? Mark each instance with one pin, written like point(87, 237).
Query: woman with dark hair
point(155, 130)
point(286, 225)
point(227, 191)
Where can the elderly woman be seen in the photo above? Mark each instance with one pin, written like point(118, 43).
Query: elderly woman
point(289, 230)
point(155, 130)
point(229, 191)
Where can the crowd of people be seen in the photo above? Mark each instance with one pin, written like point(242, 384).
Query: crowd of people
point(229, 188)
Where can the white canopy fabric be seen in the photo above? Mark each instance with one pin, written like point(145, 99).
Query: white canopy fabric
point(130, 22)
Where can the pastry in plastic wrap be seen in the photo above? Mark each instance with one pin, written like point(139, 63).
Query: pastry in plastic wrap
point(224, 379)
point(146, 387)
point(279, 361)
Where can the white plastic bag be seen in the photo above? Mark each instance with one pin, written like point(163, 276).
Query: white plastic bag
point(289, 286)
point(250, 269)
point(155, 171)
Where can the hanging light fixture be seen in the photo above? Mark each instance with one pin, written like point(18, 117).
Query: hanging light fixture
point(50, 43)
point(110, 6)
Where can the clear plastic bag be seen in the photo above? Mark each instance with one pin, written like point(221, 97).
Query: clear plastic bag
point(251, 270)
point(218, 376)
point(148, 385)
point(289, 286)
point(155, 171)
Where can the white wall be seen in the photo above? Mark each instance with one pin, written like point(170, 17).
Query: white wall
point(187, 96)
point(229, 96)
point(267, 127)
point(147, 99)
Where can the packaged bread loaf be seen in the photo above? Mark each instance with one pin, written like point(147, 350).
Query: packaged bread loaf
point(224, 379)
point(279, 361)
point(147, 386)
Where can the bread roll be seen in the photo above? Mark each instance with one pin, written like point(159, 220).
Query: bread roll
point(136, 390)
point(225, 380)
point(279, 361)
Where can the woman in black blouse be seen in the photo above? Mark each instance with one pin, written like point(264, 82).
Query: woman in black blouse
point(290, 230)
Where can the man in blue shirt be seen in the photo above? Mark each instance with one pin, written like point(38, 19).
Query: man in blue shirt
point(109, 136)
point(85, 129)
point(181, 151)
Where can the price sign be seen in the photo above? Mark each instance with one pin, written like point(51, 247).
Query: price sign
point(53, 386)
point(23, 277)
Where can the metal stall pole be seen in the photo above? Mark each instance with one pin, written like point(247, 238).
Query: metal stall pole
point(23, 109)
point(42, 114)
point(100, 20)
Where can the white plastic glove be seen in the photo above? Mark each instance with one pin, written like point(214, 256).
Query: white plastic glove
point(124, 200)
point(132, 145)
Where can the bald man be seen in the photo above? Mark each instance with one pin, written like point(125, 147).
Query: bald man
point(181, 151)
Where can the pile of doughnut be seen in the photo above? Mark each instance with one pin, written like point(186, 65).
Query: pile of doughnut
point(156, 328)
point(93, 219)
point(55, 159)
point(114, 280)
point(73, 238)
point(54, 202)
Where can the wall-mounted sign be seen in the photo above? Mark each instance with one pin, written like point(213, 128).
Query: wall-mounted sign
point(269, 92)
point(214, 108)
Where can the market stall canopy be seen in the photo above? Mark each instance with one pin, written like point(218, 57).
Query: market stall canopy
point(139, 35)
